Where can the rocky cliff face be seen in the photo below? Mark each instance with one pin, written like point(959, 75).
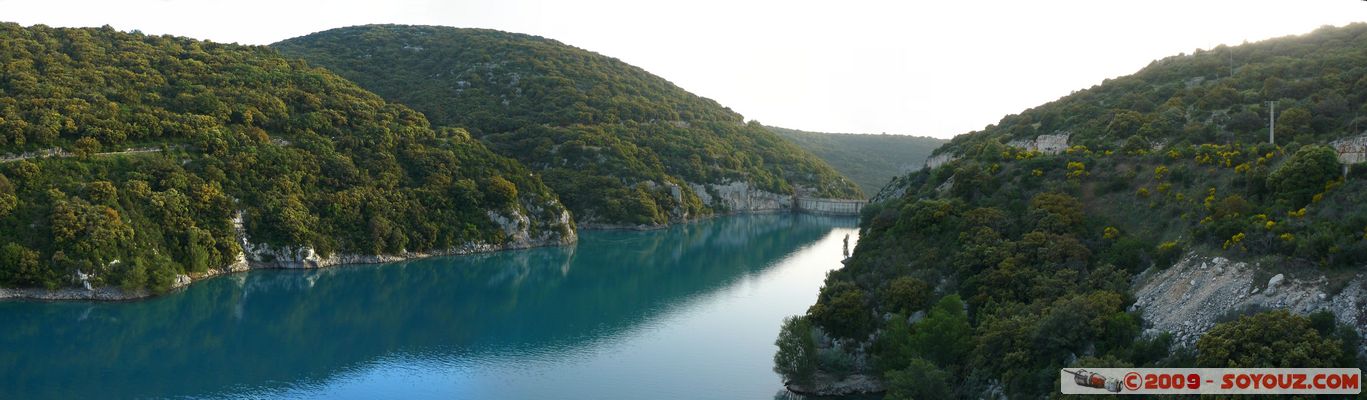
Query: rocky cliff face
point(938, 160)
point(1046, 144)
point(1189, 297)
point(739, 197)
point(724, 199)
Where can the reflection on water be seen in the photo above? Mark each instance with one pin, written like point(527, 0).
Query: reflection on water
point(687, 312)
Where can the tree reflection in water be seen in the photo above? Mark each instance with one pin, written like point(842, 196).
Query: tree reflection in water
point(277, 329)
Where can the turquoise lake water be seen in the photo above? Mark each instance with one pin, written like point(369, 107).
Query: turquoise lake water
point(690, 312)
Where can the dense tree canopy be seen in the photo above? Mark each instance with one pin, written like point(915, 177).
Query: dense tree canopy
point(608, 137)
point(311, 160)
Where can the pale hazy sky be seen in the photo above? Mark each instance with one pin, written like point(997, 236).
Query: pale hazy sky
point(907, 67)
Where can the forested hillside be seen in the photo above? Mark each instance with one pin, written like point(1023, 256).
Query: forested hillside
point(1016, 262)
point(610, 138)
point(311, 159)
point(868, 160)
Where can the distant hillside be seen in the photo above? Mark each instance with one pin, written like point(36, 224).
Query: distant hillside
point(1021, 246)
point(613, 140)
point(314, 162)
point(869, 160)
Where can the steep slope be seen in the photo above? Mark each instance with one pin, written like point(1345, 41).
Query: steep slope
point(321, 170)
point(1023, 241)
point(619, 145)
point(1210, 96)
point(868, 160)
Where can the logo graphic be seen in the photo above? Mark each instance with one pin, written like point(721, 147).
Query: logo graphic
point(1094, 380)
point(1342, 381)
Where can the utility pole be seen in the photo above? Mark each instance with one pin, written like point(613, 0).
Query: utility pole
point(1272, 123)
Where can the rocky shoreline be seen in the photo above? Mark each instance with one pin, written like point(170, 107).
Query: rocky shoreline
point(263, 256)
point(590, 226)
point(827, 385)
point(110, 293)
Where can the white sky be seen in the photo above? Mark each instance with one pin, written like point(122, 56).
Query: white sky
point(907, 67)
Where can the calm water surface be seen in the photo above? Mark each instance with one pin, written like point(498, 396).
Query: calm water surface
point(685, 313)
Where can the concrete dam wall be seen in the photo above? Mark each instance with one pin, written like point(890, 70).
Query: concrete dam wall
point(829, 206)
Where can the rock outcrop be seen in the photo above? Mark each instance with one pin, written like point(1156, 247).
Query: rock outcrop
point(740, 197)
point(939, 159)
point(515, 228)
point(1190, 297)
point(1046, 144)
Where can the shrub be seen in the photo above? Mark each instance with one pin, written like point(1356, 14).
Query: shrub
point(842, 311)
point(86, 147)
point(796, 359)
point(1110, 233)
point(1275, 339)
point(20, 265)
point(1056, 211)
point(894, 345)
point(920, 380)
point(835, 362)
point(906, 294)
point(1304, 175)
point(1150, 350)
point(1167, 253)
point(945, 336)
point(500, 191)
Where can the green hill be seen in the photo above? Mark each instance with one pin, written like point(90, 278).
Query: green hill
point(312, 161)
point(1022, 241)
point(868, 160)
point(610, 138)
